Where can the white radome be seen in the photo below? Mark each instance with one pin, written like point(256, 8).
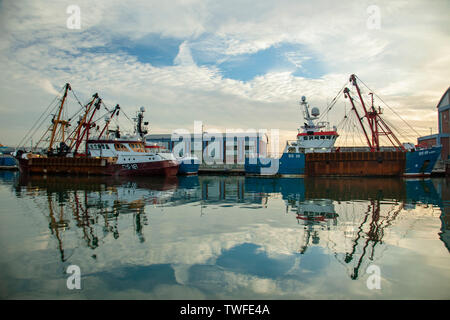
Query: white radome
point(315, 112)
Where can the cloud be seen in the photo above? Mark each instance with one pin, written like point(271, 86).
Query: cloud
point(184, 56)
point(406, 61)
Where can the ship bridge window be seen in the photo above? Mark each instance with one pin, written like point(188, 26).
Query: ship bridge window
point(328, 137)
point(316, 137)
point(120, 147)
point(322, 137)
point(137, 147)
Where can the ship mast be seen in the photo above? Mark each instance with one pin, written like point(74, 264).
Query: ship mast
point(82, 121)
point(87, 125)
point(376, 124)
point(140, 130)
point(58, 120)
point(115, 112)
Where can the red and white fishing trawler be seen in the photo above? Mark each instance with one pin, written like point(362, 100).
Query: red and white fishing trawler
point(106, 153)
point(129, 153)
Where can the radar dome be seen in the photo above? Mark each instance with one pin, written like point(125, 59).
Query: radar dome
point(315, 112)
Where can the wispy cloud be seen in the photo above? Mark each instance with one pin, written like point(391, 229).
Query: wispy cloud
point(406, 61)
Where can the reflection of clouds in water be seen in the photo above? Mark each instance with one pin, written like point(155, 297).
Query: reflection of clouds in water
point(226, 252)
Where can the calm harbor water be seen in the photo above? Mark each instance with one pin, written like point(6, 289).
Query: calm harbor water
point(223, 237)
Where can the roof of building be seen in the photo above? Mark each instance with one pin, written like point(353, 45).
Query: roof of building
point(206, 135)
point(445, 99)
point(429, 137)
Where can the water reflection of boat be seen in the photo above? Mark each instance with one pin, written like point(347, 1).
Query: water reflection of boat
point(91, 203)
point(369, 233)
point(57, 183)
point(356, 235)
point(315, 215)
point(352, 215)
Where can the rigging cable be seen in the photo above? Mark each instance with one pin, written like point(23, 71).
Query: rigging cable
point(37, 121)
point(333, 102)
point(389, 107)
point(78, 100)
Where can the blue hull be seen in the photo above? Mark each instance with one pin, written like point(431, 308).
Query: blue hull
point(189, 165)
point(289, 164)
point(8, 162)
point(187, 168)
point(421, 162)
point(417, 163)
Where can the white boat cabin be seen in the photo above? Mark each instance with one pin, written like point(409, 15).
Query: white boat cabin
point(125, 151)
point(313, 136)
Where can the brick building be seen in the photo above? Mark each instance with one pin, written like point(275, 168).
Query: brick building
point(443, 137)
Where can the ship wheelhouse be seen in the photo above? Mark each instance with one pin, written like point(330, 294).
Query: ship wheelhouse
point(314, 136)
point(124, 151)
point(319, 141)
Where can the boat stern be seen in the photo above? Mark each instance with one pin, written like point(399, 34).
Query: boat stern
point(421, 162)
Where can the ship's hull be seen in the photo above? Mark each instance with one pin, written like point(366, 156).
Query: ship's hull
point(188, 166)
point(290, 164)
point(96, 166)
point(410, 164)
point(8, 162)
point(421, 162)
point(361, 164)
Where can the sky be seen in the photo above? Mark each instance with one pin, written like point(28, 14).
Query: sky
point(230, 64)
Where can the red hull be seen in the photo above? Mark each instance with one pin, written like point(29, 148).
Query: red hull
point(93, 166)
point(158, 168)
